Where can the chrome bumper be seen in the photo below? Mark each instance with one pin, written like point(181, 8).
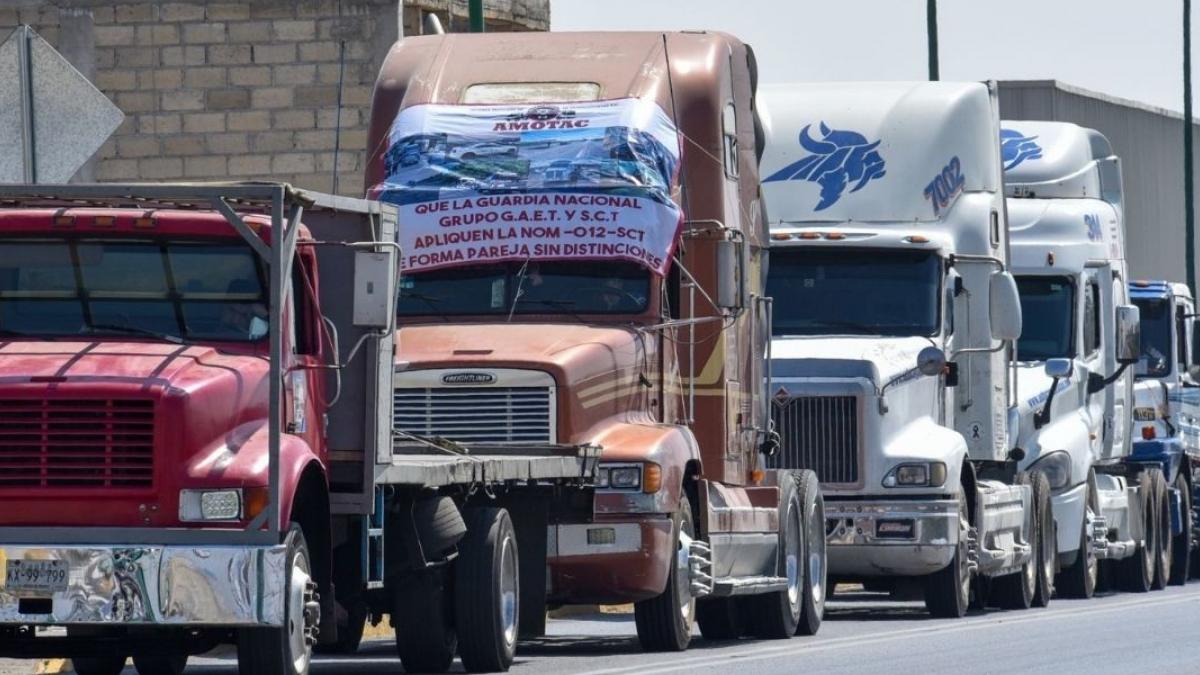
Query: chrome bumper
point(153, 585)
point(886, 538)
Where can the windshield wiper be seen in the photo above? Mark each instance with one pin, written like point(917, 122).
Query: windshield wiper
point(134, 330)
point(520, 288)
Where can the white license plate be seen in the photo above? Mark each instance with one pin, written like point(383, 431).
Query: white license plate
point(1144, 414)
point(35, 577)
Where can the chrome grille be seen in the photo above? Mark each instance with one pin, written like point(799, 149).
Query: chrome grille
point(85, 443)
point(819, 433)
point(477, 414)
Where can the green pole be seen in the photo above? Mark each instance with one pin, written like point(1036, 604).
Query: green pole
point(931, 30)
point(475, 11)
point(1189, 209)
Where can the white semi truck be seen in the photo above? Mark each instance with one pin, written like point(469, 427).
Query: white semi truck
point(1166, 413)
point(1081, 335)
point(895, 317)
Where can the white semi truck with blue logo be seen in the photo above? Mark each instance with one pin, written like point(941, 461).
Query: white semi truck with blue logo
point(1166, 413)
point(1080, 336)
point(895, 318)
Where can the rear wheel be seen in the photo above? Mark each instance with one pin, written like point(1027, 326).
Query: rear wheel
point(1136, 573)
point(776, 615)
point(1081, 578)
point(160, 665)
point(1183, 541)
point(1015, 591)
point(286, 650)
point(349, 631)
point(815, 563)
point(487, 592)
point(1165, 540)
point(948, 591)
point(721, 618)
point(98, 665)
point(423, 619)
point(664, 622)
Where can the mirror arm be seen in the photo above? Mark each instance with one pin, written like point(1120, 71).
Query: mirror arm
point(1097, 383)
point(1042, 417)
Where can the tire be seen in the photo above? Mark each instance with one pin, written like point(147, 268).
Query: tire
point(1016, 591)
point(487, 592)
point(1082, 578)
point(349, 631)
point(160, 665)
point(286, 650)
point(1182, 546)
point(720, 618)
point(1136, 573)
point(98, 665)
point(1048, 540)
point(816, 571)
point(423, 621)
point(664, 622)
point(948, 591)
point(775, 616)
point(1165, 540)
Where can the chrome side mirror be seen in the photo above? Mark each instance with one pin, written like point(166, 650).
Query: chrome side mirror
point(931, 361)
point(1129, 334)
point(1059, 368)
point(1004, 307)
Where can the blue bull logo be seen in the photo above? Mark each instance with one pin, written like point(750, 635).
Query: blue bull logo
point(838, 158)
point(1016, 147)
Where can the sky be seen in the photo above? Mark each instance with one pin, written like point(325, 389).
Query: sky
point(1126, 48)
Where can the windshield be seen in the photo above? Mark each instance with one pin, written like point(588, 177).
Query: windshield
point(171, 290)
point(1047, 318)
point(527, 288)
point(854, 292)
point(1156, 337)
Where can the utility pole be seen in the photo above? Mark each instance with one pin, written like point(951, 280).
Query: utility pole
point(1189, 208)
point(931, 30)
point(475, 14)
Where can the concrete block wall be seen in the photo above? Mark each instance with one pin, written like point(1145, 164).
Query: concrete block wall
point(238, 90)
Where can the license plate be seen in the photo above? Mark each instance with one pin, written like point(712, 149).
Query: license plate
point(35, 577)
point(1144, 414)
point(902, 528)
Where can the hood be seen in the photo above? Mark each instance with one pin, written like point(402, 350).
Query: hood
point(1033, 387)
point(874, 358)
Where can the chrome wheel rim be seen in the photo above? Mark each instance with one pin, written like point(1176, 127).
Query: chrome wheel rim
point(508, 591)
point(683, 582)
point(301, 619)
point(815, 550)
point(793, 541)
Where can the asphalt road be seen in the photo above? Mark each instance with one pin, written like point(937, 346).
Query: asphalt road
point(1118, 633)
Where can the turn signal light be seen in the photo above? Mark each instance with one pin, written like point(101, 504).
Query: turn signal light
point(810, 235)
point(917, 239)
point(255, 501)
point(651, 478)
point(64, 221)
point(1148, 433)
point(835, 236)
point(781, 236)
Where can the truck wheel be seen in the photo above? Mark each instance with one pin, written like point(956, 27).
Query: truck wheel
point(160, 665)
point(422, 617)
point(487, 591)
point(948, 591)
point(98, 665)
point(775, 616)
point(814, 563)
point(1165, 539)
point(286, 650)
point(664, 622)
point(1136, 573)
point(720, 618)
point(1081, 579)
point(349, 631)
point(1015, 591)
point(1047, 553)
point(1183, 541)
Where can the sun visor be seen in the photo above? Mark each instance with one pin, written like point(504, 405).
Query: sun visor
point(478, 184)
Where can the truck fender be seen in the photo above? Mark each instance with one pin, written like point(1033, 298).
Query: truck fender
point(925, 440)
point(672, 447)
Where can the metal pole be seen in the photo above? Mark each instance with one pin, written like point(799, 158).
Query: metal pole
point(25, 66)
point(475, 12)
point(1189, 208)
point(931, 30)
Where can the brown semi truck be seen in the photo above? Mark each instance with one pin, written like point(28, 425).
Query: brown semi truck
point(585, 253)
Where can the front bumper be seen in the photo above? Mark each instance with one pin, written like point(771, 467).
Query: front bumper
point(624, 560)
point(152, 585)
point(890, 537)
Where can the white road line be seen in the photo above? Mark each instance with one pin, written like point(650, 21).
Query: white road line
point(758, 652)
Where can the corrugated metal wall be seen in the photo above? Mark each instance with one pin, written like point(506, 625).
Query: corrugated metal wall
point(1149, 142)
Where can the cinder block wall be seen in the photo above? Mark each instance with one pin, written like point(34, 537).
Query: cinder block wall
point(222, 90)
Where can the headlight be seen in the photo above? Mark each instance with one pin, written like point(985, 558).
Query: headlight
point(916, 474)
point(646, 477)
point(207, 505)
point(1056, 466)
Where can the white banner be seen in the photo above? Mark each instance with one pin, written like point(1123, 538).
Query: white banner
point(572, 181)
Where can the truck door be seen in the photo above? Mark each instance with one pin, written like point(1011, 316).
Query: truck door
point(1098, 407)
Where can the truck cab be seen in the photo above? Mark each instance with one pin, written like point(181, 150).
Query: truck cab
point(894, 316)
point(601, 282)
point(1167, 404)
point(1074, 381)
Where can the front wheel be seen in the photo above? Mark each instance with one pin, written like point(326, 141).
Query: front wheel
point(1016, 591)
point(1165, 538)
point(286, 650)
point(1082, 577)
point(1183, 541)
point(814, 562)
point(487, 591)
point(775, 616)
point(948, 591)
point(664, 622)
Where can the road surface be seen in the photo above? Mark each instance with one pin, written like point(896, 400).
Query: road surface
point(1118, 633)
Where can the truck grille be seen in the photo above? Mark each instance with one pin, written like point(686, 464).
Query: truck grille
point(477, 414)
point(819, 433)
point(84, 443)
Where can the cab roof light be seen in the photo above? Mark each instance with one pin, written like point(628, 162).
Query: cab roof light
point(104, 221)
point(917, 239)
point(144, 221)
point(810, 235)
point(781, 236)
point(1141, 283)
point(64, 221)
point(835, 236)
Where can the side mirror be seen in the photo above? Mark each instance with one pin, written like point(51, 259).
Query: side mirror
point(731, 275)
point(375, 289)
point(1059, 368)
point(1004, 304)
point(931, 361)
point(1129, 334)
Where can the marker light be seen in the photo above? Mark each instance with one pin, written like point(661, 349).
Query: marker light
point(652, 479)
point(835, 236)
point(1148, 433)
point(917, 239)
point(810, 235)
point(781, 236)
point(104, 221)
point(64, 221)
point(144, 221)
